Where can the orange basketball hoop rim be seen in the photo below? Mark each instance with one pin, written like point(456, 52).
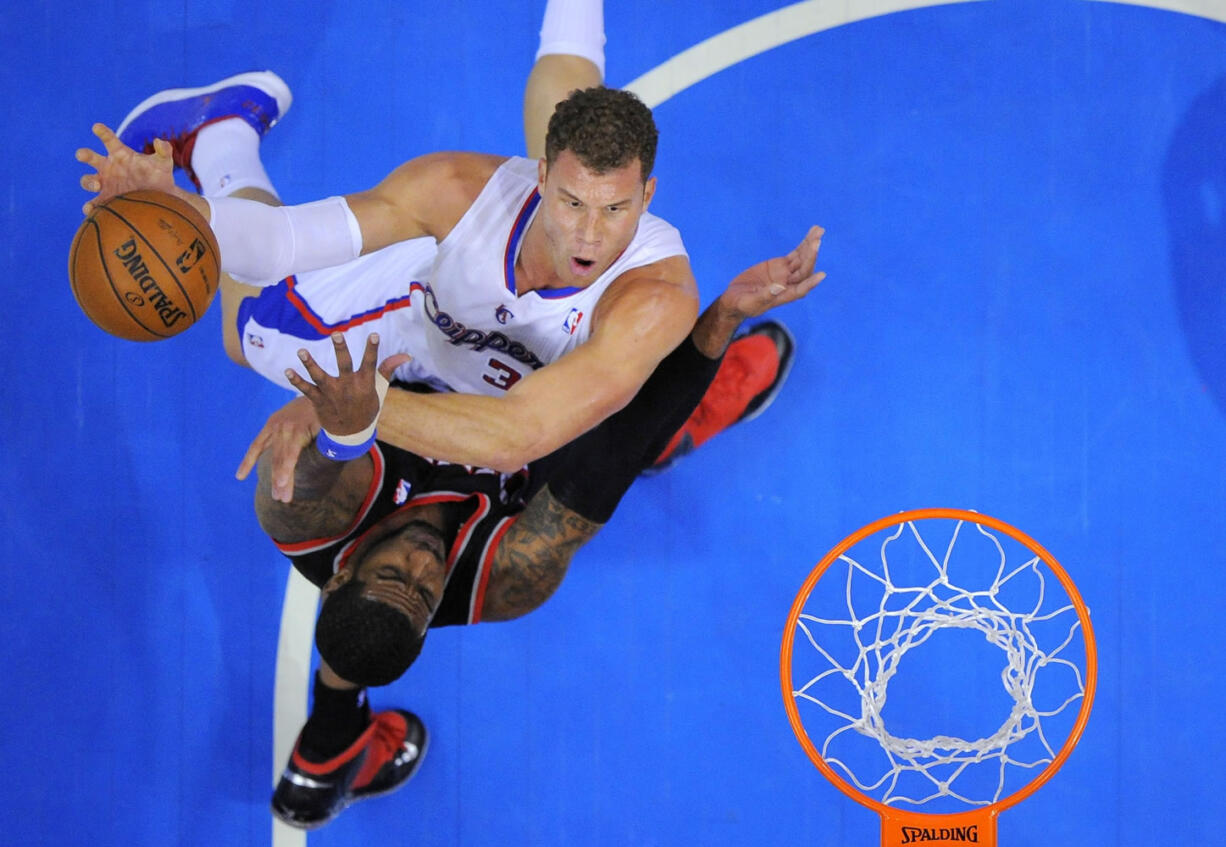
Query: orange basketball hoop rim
point(903, 826)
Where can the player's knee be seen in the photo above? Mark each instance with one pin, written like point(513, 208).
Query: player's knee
point(233, 346)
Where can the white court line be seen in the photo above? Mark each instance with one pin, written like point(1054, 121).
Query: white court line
point(289, 701)
point(1214, 10)
point(759, 35)
point(654, 87)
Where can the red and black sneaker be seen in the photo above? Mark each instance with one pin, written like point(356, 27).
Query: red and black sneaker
point(383, 758)
point(753, 371)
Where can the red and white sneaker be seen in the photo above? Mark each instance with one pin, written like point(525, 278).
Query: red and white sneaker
point(384, 757)
point(753, 371)
point(261, 98)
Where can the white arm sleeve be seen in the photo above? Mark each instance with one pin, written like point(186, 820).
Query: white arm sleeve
point(261, 245)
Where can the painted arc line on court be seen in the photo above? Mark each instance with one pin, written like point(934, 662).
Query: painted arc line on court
point(671, 77)
point(808, 17)
point(1213, 10)
point(744, 41)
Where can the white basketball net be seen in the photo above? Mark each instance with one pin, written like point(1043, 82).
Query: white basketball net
point(914, 770)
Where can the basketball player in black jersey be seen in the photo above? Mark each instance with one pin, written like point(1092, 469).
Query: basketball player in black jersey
point(400, 544)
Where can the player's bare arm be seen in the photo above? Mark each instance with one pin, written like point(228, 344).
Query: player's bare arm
point(533, 557)
point(474, 419)
point(424, 196)
point(640, 319)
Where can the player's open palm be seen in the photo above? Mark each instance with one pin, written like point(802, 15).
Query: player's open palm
point(122, 169)
point(774, 282)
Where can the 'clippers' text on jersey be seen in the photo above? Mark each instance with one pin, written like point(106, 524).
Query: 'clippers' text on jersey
point(478, 340)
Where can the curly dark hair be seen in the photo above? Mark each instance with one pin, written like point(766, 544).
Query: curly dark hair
point(366, 642)
point(607, 128)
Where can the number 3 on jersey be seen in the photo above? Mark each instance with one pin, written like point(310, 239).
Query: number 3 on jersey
point(503, 376)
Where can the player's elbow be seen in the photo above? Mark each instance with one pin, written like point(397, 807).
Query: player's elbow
point(522, 436)
point(514, 452)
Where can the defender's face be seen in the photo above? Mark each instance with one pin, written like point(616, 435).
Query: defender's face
point(407, 571)
point(589, 218)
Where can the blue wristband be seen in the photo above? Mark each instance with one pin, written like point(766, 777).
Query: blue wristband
point(338, 452)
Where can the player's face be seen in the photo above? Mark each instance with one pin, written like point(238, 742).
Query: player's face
point(590, 218)
point(407, 572)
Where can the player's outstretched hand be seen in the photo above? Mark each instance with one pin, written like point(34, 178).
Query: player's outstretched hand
point(122, 169)
point(348, 402)
point(343, 404)
point(774, 282)
point(284, 435)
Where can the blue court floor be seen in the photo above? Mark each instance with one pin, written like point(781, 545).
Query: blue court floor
point(1025, 205)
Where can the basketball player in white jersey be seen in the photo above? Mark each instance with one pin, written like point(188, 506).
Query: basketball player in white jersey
point(574, 248)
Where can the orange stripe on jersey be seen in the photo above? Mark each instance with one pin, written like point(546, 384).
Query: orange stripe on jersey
point(323, 328)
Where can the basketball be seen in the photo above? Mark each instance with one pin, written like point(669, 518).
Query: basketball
point(144, 265)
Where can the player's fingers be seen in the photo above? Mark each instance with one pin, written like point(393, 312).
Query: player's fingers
point(812, 239)
point(161, 148)
point(372, 353)
point(808, 285)
point(795, 264)
point(389, 365)
point(284, 459)
point(313, 369)
point(253, 454)
point(344, 362)
point(90, 183)
point(90, 157)
point(806, 251)
point(109, 139)
point(304, 387)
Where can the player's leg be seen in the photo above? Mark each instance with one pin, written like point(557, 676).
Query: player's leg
point(571, 55)
point(345, 753)
point(749, 378)
point(214, 132)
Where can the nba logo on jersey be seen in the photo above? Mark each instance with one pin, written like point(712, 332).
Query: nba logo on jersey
point(402, 492)
point(502, 314)
point(572, 321)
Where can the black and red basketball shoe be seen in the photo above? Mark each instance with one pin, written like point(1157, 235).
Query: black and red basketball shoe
point(383, 758)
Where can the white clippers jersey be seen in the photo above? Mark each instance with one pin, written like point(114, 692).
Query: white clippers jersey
point(377, 292)
point(453, 307)
point(482, 336)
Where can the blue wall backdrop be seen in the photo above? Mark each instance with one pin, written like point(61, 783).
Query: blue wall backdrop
point(1025, 206)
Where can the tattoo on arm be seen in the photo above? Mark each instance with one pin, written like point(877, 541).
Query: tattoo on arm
point(533, 556)
point(327, 496)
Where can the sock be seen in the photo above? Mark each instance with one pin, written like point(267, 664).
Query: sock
point(338, 717)
point(574, 28)
point(227, 157)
